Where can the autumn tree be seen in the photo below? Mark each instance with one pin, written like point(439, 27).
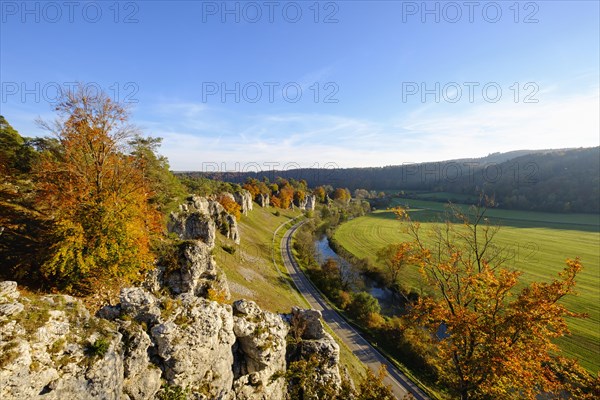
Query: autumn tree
point(342, 195)
point(97, 197)
point(230, 205)
point(24, 232)
point(396, 257)
point(299, 197)
point(493, 336)
point(320, 194)
point(372, 386)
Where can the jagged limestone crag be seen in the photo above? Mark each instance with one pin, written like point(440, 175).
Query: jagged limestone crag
point(51, 347)
point(263, 200)
point(244, 199)
point(199, 217)
point(214, 351)
point(312, 340)
point(197, 272)
point(308, 203)
point(156, 340)
point(259, 352)
point(311, 201)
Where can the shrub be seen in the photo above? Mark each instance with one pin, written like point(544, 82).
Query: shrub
point(229, 249)
point(363, 304)
point(217, 295)
point(173, 393)
point(344, 299)
point(98, 348)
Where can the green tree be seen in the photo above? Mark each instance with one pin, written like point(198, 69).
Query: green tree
point(362, 306)
point(166, 189)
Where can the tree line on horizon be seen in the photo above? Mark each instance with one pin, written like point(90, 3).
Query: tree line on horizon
point(554, 181)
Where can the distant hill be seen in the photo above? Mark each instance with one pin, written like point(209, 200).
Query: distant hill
point(564, 180)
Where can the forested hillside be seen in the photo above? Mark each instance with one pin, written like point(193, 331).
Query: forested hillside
point(552, 180)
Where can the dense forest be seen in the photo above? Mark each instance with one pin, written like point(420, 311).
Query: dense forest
point(553, 180)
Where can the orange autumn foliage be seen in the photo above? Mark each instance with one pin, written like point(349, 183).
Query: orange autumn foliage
point(492, 336)
point(97, 197)
point(230, 206)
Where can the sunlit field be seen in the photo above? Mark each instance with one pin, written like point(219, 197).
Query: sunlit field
point(538, 244)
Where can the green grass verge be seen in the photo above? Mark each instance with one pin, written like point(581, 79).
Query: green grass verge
point(540, 243)
point(249, 269)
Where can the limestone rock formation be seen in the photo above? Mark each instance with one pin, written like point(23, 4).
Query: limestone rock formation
point(199, 218)
point(56, 349)
point(260, 354)
point(233, 232)
point(311, 339)
point(192, 223)
point(194, 345)
point(141, 377)
point(197, 271)
point(154, 343)
point(311, 201)
point(308, 203)
point(263, 200)
point(8, 299)
point(244, 199)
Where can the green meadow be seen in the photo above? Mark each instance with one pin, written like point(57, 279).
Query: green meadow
point(537, 244)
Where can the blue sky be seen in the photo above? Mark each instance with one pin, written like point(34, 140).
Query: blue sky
point(346, 83)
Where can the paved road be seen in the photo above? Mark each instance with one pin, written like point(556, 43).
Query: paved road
point(355, 342)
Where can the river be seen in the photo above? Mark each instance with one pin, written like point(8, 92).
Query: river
point(359, 281)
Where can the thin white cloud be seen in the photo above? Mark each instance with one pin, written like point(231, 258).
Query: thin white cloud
point(195, 134)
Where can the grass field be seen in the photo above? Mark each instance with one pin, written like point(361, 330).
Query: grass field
point(539, 244)
point(252, 275)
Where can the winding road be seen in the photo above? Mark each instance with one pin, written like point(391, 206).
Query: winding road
point(366, 353)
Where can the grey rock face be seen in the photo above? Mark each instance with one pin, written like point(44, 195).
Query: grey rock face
point(311, 339)
point(212, 350)
point(141, 378)
point(197, 272)
point(260, 361)
point(8, 299)
point(233, 232)
point(244, 199)
point(311, 201)
point(308, 203)
point(140, 305)
point(199, 218)
point(193, 225)
point(263, 200)
point(49, 353)
point(307, 323)
point(195, 346)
